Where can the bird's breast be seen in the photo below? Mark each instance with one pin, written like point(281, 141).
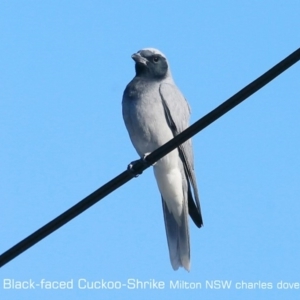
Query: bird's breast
point(145, 119)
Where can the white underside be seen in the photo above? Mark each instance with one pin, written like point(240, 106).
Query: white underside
point(169, 181)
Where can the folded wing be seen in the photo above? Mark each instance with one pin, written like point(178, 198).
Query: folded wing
point(177, 114)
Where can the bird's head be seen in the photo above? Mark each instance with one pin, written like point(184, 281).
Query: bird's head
point(151, 63)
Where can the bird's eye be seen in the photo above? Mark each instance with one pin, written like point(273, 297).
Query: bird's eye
point(155, 59)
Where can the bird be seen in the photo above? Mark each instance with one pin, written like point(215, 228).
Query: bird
point(154, 111)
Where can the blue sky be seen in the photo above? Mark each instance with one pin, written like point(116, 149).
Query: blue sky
point(64, 66)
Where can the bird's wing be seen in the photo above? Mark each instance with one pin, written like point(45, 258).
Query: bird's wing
point(177, 114)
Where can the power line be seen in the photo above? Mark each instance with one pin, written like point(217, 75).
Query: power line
point(140, 165)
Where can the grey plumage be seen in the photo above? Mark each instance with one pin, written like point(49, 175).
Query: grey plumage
point(154, 111)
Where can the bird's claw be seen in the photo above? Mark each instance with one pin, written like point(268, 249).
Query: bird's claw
point(131, 169)
point(141, 163)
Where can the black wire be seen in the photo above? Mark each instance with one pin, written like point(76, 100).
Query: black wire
point(140, 165)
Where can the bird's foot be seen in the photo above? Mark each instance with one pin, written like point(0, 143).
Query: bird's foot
point(137, 167)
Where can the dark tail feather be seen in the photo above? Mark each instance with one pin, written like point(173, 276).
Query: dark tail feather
point(193, 210)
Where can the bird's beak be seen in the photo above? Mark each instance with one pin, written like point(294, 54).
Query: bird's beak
point(139, 59)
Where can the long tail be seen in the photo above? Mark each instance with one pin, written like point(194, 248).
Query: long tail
point(178, 238)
